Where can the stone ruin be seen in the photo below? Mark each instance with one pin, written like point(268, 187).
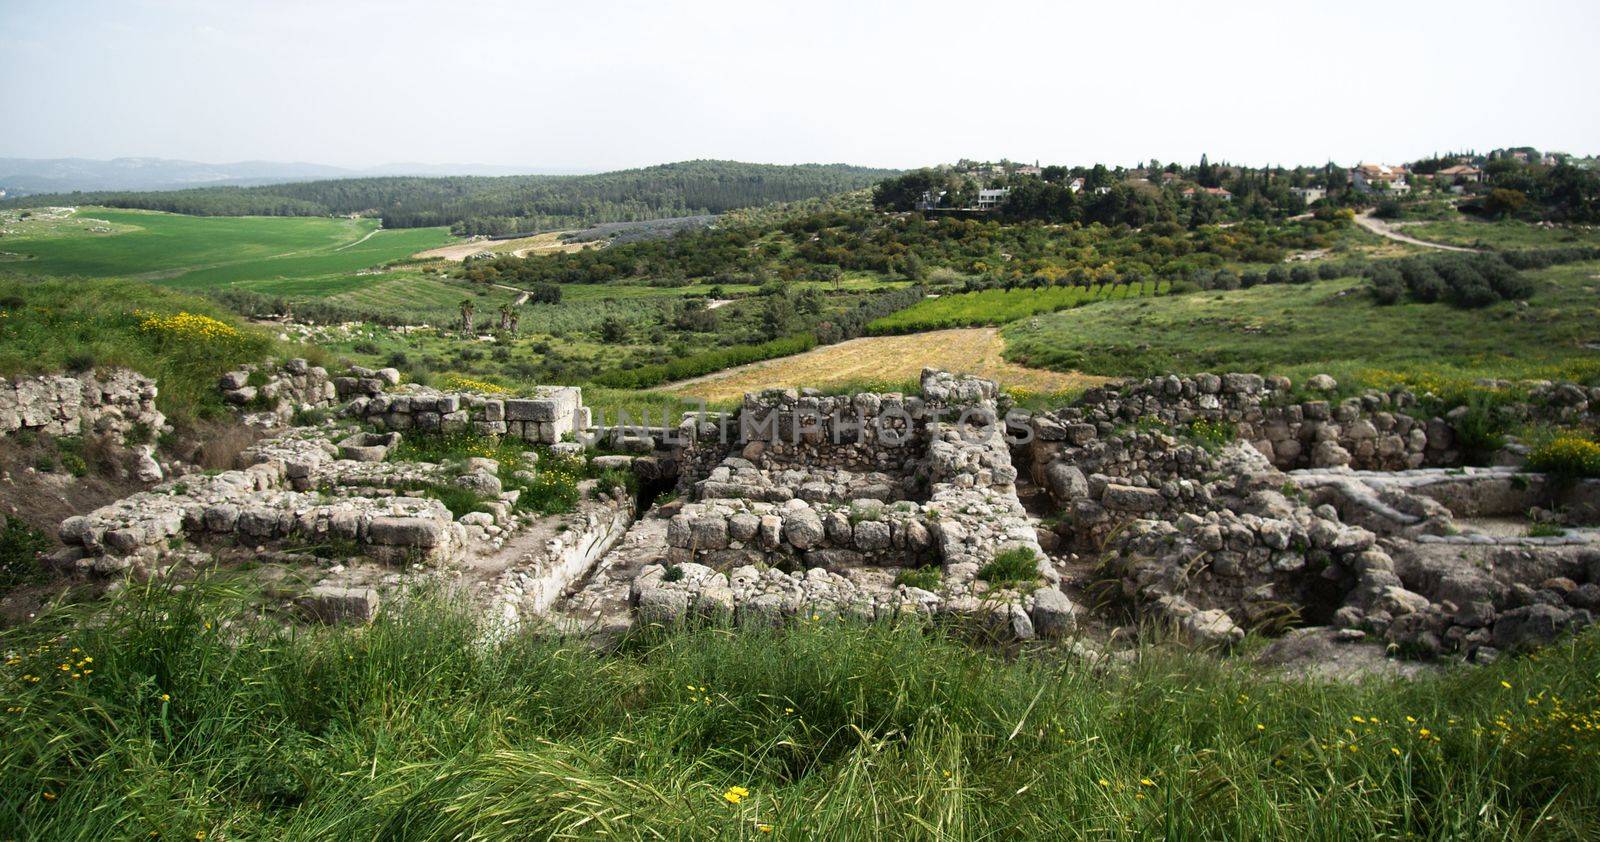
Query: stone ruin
point(817, 497)
point(1209, 505)
point(1355, 516)
point(115, 404)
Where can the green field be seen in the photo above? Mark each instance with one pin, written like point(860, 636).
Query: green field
point(999, 306)
point(1510, 234)
point(1329, 326)
point(310, 254)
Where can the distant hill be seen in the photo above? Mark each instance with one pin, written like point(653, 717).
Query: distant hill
point(506, 204)
point(29, 176)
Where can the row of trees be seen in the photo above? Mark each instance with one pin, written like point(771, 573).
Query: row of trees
point(1466, 280)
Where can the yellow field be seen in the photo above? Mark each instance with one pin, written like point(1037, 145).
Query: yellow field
point(883, 359)
point(546, 243)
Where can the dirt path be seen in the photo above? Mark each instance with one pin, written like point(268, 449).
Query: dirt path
point(522, 294)
point(360, 241)
point(1384, 229)
point(883, 359)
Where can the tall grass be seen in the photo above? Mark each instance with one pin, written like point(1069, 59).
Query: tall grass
point(52, 326)
point(197, 722)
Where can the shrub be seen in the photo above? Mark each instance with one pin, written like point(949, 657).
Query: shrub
point(1568, 456)
point(1479, 432)
point(1010, 568)
point(1212, 435)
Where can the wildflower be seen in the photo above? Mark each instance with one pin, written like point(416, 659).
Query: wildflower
point(735, 794)
point(48, 795)
point(1505, 684)
point(1394, 751)
point(1358, 720)
point(165, 697)
point(764, 828)
point(1146, 782)
point(1104, 782)
point(1260, 727)
point(1423, 732)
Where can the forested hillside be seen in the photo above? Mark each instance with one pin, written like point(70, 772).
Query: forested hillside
point(503, 205)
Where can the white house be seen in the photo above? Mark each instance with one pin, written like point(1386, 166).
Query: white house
point(1370, 177)
point(990, 199)
point(1309, 194)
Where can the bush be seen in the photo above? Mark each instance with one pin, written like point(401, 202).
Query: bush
point(1011, 568)
point(1569, 456)
point(1479, 432)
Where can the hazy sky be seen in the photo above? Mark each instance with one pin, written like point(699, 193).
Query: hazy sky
point(599, 85)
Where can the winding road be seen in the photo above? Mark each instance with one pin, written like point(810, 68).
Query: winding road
point(1383, 229)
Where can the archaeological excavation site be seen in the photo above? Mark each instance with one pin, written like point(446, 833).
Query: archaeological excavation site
point(1192, 510)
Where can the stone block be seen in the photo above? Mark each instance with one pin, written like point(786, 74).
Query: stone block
point(333, 604)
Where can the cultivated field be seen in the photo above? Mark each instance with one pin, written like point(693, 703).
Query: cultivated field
point(205, 252)
point(891, 361)
point(547, 243)
point(999, 306)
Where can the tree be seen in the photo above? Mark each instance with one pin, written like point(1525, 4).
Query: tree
point(467, 309)
point(777, 316)
point(613, 329)
point(1502, 203)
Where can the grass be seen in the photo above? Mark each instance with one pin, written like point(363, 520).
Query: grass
point(181, 716)
point(998, 306)
point(203, 252)
point(927, 578)
point(1507, 234)
point(20, 545)
point(1011, 568)
point(1332, 326)
point(55, 325)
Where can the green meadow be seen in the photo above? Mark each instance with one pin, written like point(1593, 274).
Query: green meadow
point(1327, 326)
point(311, 254)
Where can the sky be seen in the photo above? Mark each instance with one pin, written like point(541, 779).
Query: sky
point(597, 85)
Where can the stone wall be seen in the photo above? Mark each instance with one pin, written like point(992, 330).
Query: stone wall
point(253, 506)
point(107, 401)
point(551, 415)
point(275, 392)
